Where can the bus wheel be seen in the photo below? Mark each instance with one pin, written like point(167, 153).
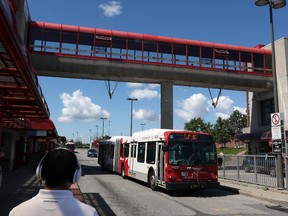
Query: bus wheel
point(152, 181)
point(123, 172)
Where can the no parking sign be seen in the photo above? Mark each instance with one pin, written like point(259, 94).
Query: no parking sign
point(277, 132)
point(275, 119)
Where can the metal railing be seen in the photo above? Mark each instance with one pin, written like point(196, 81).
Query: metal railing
point(77, 41)
point(254, 169)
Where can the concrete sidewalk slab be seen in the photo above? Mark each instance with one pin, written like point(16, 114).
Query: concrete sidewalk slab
point(269, 194)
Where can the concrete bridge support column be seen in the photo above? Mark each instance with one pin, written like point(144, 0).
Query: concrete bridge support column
point(167, 105)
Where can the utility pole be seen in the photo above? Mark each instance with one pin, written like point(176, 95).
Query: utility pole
point(131, 99)
point(103, 119)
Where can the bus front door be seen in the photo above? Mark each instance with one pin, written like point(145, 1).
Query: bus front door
point(160, 162)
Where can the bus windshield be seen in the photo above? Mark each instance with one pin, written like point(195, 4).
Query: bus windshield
point(192, 153)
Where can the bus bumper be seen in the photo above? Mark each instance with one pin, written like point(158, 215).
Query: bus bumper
point(191, 185)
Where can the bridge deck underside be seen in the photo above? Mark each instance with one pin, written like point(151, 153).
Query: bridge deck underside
point(115, 70)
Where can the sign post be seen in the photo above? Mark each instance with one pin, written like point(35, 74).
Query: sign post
point(277, 132)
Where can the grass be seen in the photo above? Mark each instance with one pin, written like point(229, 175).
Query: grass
point(233, 151)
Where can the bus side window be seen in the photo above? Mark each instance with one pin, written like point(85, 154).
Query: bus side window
point(141, 152)
point(121, 150)
point(151, 153)
point(134, 151)
point(126, 150)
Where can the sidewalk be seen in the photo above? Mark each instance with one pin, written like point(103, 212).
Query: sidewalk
point(272, 195)
point(21, 184)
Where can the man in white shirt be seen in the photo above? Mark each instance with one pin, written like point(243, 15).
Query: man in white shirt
point(59, 169)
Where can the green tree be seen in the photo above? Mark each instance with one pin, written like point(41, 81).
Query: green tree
point(78, 143)
point(237, 121)
point(222, 131)
point(198, 124)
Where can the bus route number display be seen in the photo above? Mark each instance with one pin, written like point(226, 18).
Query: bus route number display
point(183, 136)
point(190, 136)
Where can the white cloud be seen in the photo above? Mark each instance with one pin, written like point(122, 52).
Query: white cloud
point(145, 114)
point(193, 107)
point(224, 107)
point(144, 94)
point(79, 107)
point(111, 8)
point(198, 106)
point(241, 110)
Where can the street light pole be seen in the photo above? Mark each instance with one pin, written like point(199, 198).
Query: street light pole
point(103, 118)
point(142, 124)
point(97, 132)
point(90, 135)
point(109, 128)
point(276, 4)
point(131, 99)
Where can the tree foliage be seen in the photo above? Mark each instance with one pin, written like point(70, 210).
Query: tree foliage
point(237, 121)
point(223, 130)
point(198, 124)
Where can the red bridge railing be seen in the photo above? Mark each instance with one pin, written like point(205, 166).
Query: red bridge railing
point(83, 42)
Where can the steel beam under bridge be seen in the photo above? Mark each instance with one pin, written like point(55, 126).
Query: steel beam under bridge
point(117, 70)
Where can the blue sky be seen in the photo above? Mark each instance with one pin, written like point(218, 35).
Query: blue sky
point(76, 106)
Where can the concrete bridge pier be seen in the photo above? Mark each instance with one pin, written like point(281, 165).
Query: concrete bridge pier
point(167, 105)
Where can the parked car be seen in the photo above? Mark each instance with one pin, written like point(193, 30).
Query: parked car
point(265, 163)
point(91, 153)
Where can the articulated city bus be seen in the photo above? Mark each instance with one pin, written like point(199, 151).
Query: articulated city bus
point(170, 159)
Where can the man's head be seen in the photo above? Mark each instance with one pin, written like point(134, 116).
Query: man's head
point(58, 167)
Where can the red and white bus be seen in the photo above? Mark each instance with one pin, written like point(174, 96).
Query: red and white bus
point(170, 159)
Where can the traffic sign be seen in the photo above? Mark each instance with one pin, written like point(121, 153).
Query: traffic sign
point(275, 119)
point(276, 132)
point(277, 146)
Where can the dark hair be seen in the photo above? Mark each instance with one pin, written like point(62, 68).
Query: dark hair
point(59, 167)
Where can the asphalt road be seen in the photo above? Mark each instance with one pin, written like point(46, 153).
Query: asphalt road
point(113, 195)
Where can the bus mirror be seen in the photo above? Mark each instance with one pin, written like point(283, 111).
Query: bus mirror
point(220, 161)
point(164, 148)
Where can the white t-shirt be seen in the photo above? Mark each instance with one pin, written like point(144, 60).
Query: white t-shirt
point(55, 203)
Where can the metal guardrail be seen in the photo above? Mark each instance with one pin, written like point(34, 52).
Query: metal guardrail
point(254, 169)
